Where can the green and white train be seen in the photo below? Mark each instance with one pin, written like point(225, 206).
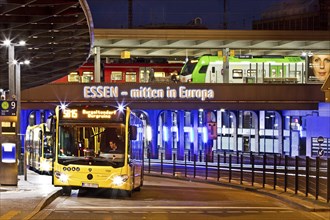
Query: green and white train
point(243, 69)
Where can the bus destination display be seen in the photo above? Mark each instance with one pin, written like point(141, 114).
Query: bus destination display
point(91, 114)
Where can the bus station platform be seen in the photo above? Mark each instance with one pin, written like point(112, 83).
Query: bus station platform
point(30, 196)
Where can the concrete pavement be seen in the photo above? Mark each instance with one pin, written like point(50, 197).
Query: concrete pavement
point(28, 197)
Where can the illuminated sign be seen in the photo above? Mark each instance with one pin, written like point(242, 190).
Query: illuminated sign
point(143, 92)
point(8, 127)
point(8, 108)
point(91, 114)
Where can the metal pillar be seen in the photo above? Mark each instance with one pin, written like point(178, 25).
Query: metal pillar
point(11, 71)
point(97, 64)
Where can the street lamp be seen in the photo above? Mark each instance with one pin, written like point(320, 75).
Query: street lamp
point(18, 99)
point(11, 64)
point(14, 78)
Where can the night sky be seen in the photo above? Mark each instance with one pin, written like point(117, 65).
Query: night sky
point(240, 13)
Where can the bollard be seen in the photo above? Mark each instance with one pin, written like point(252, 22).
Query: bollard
point(195, 158)
point(229, 168)
point(252, 170)
point(317, 177)
point(149, 161)
point(307, 177)
point(185, 165)
point(241, 169)
point(328, 180)
point(218, 173)
point(285, 172)
point(275, 171)
point(174, 168)
point(206, 166)
point(161, 163)
point(296, 187)
point(264, 170)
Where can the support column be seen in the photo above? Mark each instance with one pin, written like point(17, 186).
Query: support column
point(97, 64)
point(194, 126)
point(168, 143)
point(11, 71)
point(181, 135)
point(18, 125)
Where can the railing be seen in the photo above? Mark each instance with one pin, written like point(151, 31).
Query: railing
point(301, 175)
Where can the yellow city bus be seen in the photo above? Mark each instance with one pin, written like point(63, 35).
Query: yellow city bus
point(38, 148)
point(82, 154)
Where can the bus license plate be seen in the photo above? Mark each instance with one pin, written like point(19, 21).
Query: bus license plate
point(90, 185)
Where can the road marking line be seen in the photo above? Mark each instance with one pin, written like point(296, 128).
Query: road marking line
point(250, 211)
point(211, 212)
point(233, 212)
point(9, 215)
point(120, 212)
point(175, 208)
point(198, 212)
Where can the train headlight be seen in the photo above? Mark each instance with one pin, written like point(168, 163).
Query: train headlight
point(62, 177)
point(119, 180)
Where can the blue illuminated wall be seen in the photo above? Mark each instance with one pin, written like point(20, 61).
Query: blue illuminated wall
point(318, 125)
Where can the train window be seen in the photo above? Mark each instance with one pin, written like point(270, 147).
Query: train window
point(213, 69)
point(237, 73)
point(87, 76)
point(296, 74)
point(251, 72)
point(203, 69)
point(159, 74)
point(117, 75)
point(73, 77)
point(130, 77)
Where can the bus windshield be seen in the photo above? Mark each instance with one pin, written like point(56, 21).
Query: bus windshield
point(92, 144)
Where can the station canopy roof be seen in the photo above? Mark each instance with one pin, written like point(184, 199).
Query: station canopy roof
point(179, 44)
point(60, 37)
point(57, 36)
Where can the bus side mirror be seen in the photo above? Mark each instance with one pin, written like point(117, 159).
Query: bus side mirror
point(133, 132)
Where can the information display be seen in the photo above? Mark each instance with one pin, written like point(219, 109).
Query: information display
point(8, 108)
point(95, 114)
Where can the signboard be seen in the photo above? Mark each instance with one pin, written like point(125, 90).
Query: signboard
point(319, 68)
point(91, 114)
point(320, 140)
point(8, 108)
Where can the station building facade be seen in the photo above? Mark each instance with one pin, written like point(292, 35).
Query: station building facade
point(187, 126)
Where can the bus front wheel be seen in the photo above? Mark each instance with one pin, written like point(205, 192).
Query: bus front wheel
point(129, 193)
point(66, 191)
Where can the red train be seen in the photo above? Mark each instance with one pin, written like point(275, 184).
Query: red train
point(140, 72)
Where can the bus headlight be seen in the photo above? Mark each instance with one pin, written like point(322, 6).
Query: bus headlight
point(62, 177)
point(119, 180)
point(45, 165)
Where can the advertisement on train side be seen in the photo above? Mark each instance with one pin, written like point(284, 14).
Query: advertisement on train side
point(319, 68)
